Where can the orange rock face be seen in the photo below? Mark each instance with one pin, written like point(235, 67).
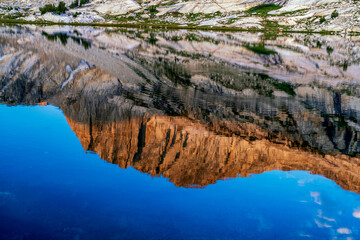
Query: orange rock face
point(43, 103)
point(190, 154)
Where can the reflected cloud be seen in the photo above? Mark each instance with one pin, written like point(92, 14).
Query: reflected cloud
point(320, 215)
point(344, 231)
point(316, 197)
point(322, 225)
point(356, 213)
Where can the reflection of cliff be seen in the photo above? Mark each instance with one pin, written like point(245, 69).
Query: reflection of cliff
point(190, 154)
point(193, 119)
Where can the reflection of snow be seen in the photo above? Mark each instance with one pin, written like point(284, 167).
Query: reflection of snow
point(356, 213)
point(82, 66)
point(344, 231)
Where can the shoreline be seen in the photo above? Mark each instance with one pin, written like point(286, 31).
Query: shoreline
point(173, 27)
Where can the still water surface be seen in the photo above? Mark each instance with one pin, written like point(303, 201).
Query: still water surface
point(136, 135)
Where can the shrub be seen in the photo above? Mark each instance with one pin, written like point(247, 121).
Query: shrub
point(322, 19)
point(152, 9)
point(75, 3)
point(329, 50)
point(61, 8)
point(334, 14)
point(47, 8)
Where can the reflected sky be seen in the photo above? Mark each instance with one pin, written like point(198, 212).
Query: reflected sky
point(51, 189)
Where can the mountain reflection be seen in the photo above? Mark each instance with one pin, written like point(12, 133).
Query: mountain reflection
point(231, 110)
point(191, 155)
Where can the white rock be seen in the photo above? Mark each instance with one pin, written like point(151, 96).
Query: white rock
point(115, 7)
point(86, 18)
point(30, 18)
point(52, 17)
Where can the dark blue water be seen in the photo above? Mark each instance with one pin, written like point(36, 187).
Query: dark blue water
point(50, 188)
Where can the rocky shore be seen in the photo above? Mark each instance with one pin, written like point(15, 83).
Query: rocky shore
point(277, 15)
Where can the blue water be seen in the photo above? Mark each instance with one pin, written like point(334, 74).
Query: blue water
point(50, 188)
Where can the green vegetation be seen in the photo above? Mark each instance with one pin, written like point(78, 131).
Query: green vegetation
point(334, 14)
point(261, 83)
point(264, 8)
point(164, 26)
point(322, 19)
point(272, 29)
point(319, 44)
point(75, 3)
point(76, 14)
point(13, 16)
point(285, 87)
point(152, 9)
point(63, 38)
point(329, 50)
point(294, 13)
point(61, 8)
point(47, 8)
point(345, 66)
point(152, 39)
point(168, 3)
point(260, 49)
point(194, 16)
point(200, 16)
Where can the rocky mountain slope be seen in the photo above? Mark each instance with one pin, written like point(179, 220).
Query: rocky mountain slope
point(295, 15)
point(228, 108)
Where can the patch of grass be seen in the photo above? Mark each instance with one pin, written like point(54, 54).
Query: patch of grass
point(260, 49)
point(264, 8)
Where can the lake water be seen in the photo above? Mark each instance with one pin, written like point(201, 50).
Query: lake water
point(138, 134)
